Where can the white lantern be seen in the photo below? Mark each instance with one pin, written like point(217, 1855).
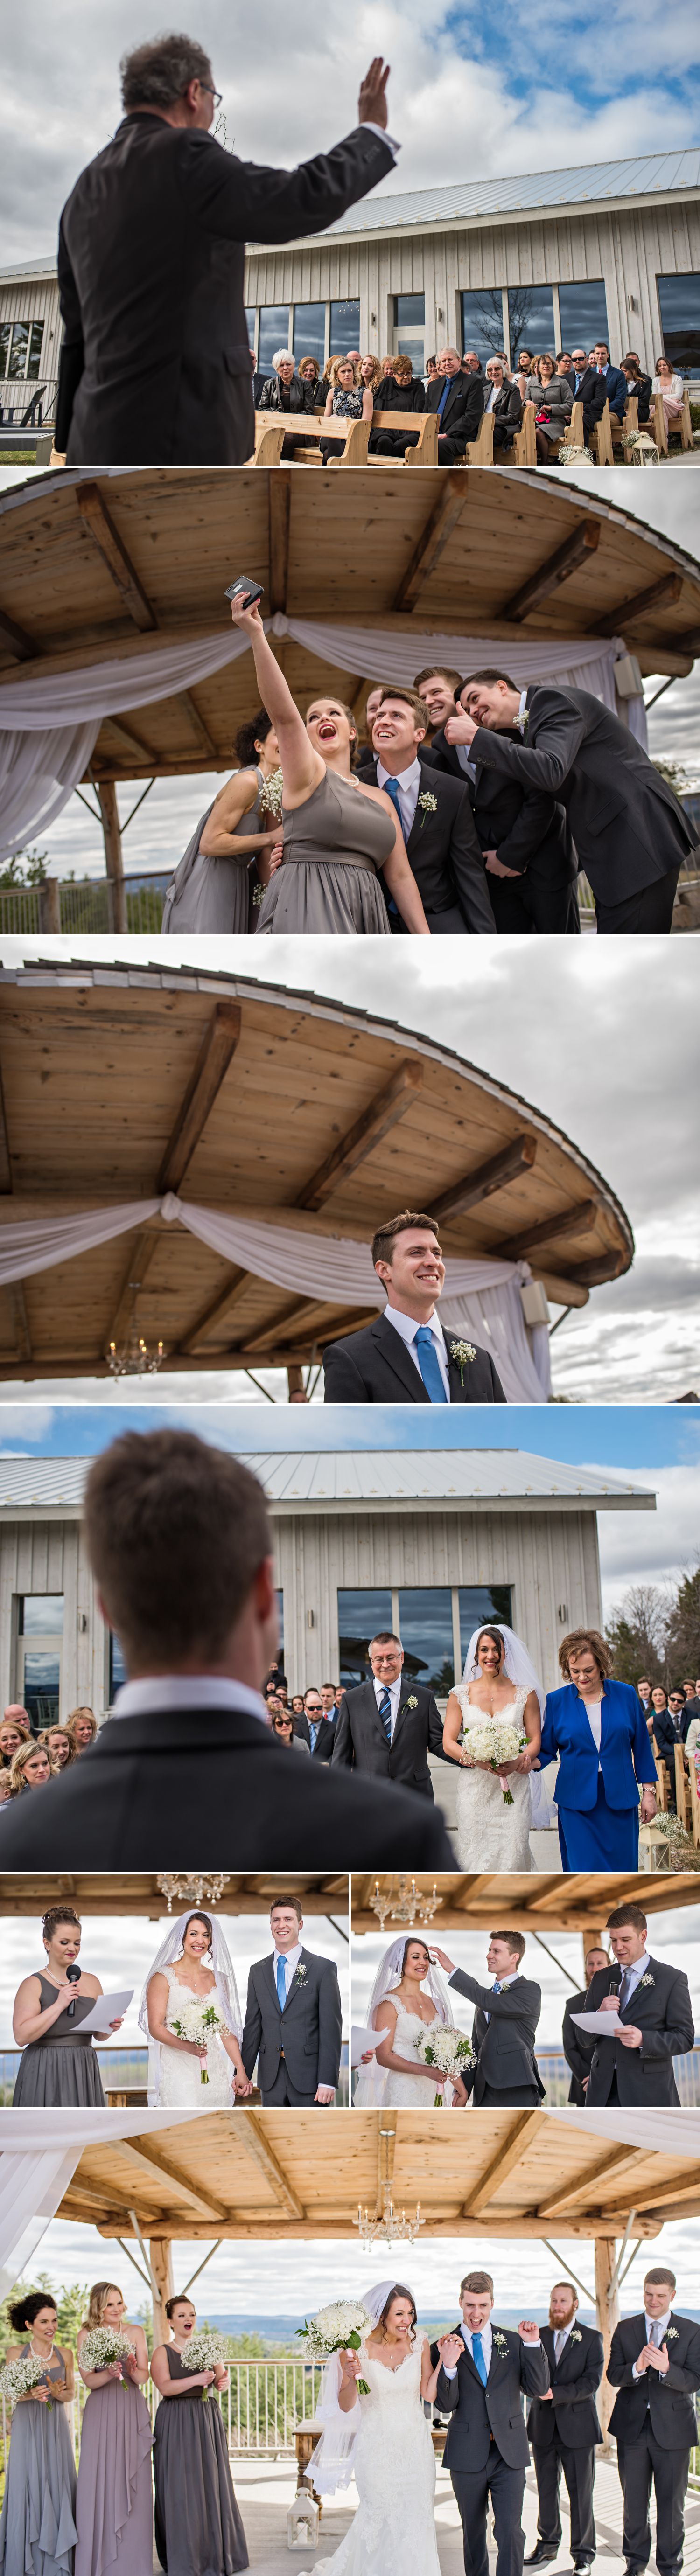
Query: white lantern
point(303, 2522)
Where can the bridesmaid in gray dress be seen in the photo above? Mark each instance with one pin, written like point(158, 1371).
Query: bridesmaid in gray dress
point(211, 887)
point(58, 2064)
point(114, 2506)
point(339, 834)
point(37, 2528)
point(198, 2526)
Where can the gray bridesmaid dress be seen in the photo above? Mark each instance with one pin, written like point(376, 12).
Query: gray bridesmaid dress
point(37, 2527)
point(212, 894)
point(334, 848)
point(62, 2068)
point(198, 2526)
point(114, 2504)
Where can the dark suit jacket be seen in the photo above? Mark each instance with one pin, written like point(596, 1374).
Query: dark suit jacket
point(388, 396)
point(572, 2417)
point(361, 1744)
point(668, 1732)
point(576, 2049)
point(444, 853)
point(508, 407)
point(594, 391)
point(375, 1367)
point(322, 1750)
point(477, 2412)
point(505, 2043)
point(463, 408)
point(664, 2013)
point(309, 2031)
point(152, 1788)
point(155, 367)
point(628, 827)
point(670, 2399)
point(528, 828)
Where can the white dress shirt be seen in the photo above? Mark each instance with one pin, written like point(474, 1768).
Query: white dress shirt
point(394, 1690)
point(561, 2336)
point(486, 2343)
point(594, 1713)
point(157, 1695)
point(522, 710)
point(408, 1326)
point(394, 147)
point(636, 1970)
point(409, 783)
point(291, 1960)
point(657, 2327)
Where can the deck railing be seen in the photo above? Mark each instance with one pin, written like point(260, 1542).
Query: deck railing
point(261, 2408)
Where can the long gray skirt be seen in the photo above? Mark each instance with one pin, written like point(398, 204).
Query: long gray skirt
point(62, 2074)
point(114, 2506)
point(37, 2529)
point(198, 2526)
point(322, 897)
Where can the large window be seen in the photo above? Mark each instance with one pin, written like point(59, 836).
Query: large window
point(273, 334)
point(530, 320)
point(408, 329)
point(425, 1628)
point(434, 1622)
point(117, 1667)
point(480, 1602)
point(345, 327)
point(482, 321)
point(679, 305)
point(360, 1615)
point(39, 1643)
point(583, 314)
point(250, 324)
point(310, 332)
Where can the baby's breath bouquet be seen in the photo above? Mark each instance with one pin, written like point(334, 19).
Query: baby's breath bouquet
point(103, 2346)
point(198, 2021)
point(495, 1741)
point(18, 2378)
point(204, 2351)
point(338, 2328)
point(270, 796)
point(447, 2049)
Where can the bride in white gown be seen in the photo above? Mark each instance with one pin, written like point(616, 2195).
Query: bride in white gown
point(383, 2441)
point(400, 2007)
point(193, 1965)
point(499, 1680)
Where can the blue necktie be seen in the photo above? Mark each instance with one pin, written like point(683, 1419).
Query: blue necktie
point(385, 1713)
point(391, 789)
point(314, 1724)
point(429, 1364)
point(281, 1982)
point(443, 397)
point(478, 2359)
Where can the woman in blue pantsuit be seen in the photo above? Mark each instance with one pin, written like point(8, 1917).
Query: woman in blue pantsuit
point(597, 1728)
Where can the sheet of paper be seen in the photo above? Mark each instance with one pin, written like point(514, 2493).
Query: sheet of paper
point(604, 2025)
point(361, 2041)
point(106, 2009)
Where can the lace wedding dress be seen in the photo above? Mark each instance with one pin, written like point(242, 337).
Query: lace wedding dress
point(394, 2470)
point(489, 1834)
point(414, 2092)
point(180, 2074)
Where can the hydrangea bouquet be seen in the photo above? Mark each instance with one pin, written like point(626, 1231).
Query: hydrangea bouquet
point(447, 2049)
point(18, 2378)
point(198, 2021)
point(495, 1741)
point(103, 2346)
point(338, 2328)
point(204, 2351)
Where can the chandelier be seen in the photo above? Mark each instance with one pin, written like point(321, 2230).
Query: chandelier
point(402, 1902)
point(133, 1359)
point(192, 1886)
point(388, 2228)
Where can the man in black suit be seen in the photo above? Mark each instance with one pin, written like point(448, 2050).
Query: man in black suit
point(525, 839)
point(635, 2066)
point(630, 831)
point(155, 364)
point(389, 1725)
point(459, 402)
point(484, 2369)
point(316, 1726)
point(404, 1358)
point(655, 2364)
point(436, 820)
point(563, 2427)
point(601, 383)
point(179, 1540)
point(505, 2025)
point(670, 1728)
point(573, 2042)
point(293, 2017)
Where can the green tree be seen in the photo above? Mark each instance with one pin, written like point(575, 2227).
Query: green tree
point(637, 1637)
point(26, 868)
point(683, 1634)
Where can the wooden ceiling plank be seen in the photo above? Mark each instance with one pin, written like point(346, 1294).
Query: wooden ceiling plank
point(652, 2197)
point(660, 594)
point(509, 2153)
point(186, 700)
point(279, 491)
point(552, 1229)
point(490, 1176)
point(213, 1314)
point(133, 742)
point(18, 644)
point(256, 2144)
point(219, 1043)
point(439, 526)
point(623, 2160)
point(97, 519)
point(156, 2168)
point(555, 569)
point(369, 1129)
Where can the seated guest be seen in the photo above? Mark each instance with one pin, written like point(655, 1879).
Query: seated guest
point(671, 388)
point(285, 391)
point(316, 1727)
point(692, 1704)
point(643, 1688)
point(59, 1746)
point(526, 842)
point(668, 1731)
point(431, 369)
point(553, 400)
point(179, 1541)
point(526, 362)
point(601, 383)
point(458, 401)
point(565, 367)
point(11, 1737)
point(284, 1729)
point(634, 2067)
point(436, 820)
point(298, 1704)
point(399, 391)
point(16, 1715)
point(579, 363)
point(81, 1726)
point(31, 1768)
point(576, 2048)
point(346, 399)
point(371, 373)
point(405, 1355)
point(309, 373)
point(471, 364)
point(504, 401)
point(638, 385)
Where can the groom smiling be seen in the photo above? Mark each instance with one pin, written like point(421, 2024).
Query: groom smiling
point(293, 2020)
point(483, 2370)
point(404, 1357)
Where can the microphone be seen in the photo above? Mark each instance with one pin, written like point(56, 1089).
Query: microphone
point(73, 1978)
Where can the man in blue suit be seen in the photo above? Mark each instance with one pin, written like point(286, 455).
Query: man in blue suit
point(600, 384)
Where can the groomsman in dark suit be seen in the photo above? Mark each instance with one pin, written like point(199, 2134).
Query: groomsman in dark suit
point(317, 1728)
point(389, 1725)
point(293, 2019)
point(484, 2369)
point(655, 2364)
point(459, 402)
point(600, 384)
point(436, 820)
point(404, 1357)
point(563, 2427)
point(576, 2051)
point(525, 840)
point(653, 2001)
point(505, 2026)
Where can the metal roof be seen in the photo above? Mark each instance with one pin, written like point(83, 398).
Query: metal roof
point(649, 174)
point(348, 1478)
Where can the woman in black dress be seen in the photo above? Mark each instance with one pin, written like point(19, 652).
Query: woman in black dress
point(198, 2526)
point(57, 2065)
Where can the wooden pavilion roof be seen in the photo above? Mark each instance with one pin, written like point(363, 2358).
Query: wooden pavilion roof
point(95, 565)
point(325, 1892)
point(122, 1083)
point(562, 1903)
point(260, 2174)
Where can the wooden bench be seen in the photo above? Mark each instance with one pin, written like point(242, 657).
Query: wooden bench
point(682, 429)
point(683, 1807)
point(662, 1785)
point(351, 437)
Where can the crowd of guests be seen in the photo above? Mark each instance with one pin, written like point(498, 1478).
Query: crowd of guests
point(672, 1717)
point(28, 1759)
point(460, 390)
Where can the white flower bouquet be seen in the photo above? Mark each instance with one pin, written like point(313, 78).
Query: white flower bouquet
point(447, 2049)
point(18, 2378)
point(338, 2328)
point(198, 2021)
point(103, 2346)
point(495, 1742)
point(204, 2351)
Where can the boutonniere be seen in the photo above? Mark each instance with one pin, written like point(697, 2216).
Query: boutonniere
point(575, 2337)
point(648, 1980)
point(427, 805)
point(523, 721)
point(671, 2335)
point(501, 2342)
point(302, 1972)
point(462, 1353)
point(412, 1702)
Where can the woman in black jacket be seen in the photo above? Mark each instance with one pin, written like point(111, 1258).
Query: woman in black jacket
point(400, 391)
point(287, 392)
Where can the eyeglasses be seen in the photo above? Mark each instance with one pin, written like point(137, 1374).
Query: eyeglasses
point(215, 95)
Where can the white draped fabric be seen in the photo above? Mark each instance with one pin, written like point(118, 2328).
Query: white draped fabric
point(39, 2151)
point(64, 709)
point(481, 1299)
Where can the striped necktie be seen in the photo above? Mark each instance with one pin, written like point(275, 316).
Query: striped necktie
point(385, 1713)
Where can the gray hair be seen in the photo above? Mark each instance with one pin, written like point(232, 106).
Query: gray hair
point(280, 355)
point(158, 73)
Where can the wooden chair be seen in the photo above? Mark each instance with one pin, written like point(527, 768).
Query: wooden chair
point(683, 428)
point(658, 423)
point(662, 1782)
point(270, 432)
point(572, 435)
point(623, 431)
point(682, 1786)
point(600, 439)
point(426, 423)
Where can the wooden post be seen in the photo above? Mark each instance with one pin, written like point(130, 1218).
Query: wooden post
point(50, 905)
point(608, 2312)
point(114, 861)
point(295, 1383)
point(161, 2261)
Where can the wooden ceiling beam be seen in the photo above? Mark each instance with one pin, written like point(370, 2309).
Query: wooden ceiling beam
point(555, 569)
point(297, 1306)
point(495, 1174)
point(509, 2153)
point(621, 2163)
point(439, 527)
point(254, 2140)
point(213, 1313)
point(552, 1229)
point(653, 2197)
point(201, 731)
point(218, 1046)
point(98, 521)
point(368, 1131)
point(441, 2223)
point(5, 1161)
point(18, 643)
point(279, 494)
point(660, 594)
point(133, 742)
point(155, 2168)
point(592, 1274)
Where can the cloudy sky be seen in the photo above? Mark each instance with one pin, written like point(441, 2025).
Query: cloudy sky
point(673, 1937)
point(120, 1951)
point(605, 1041)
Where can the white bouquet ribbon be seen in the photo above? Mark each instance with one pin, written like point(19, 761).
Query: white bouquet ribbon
point(495, 1742)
